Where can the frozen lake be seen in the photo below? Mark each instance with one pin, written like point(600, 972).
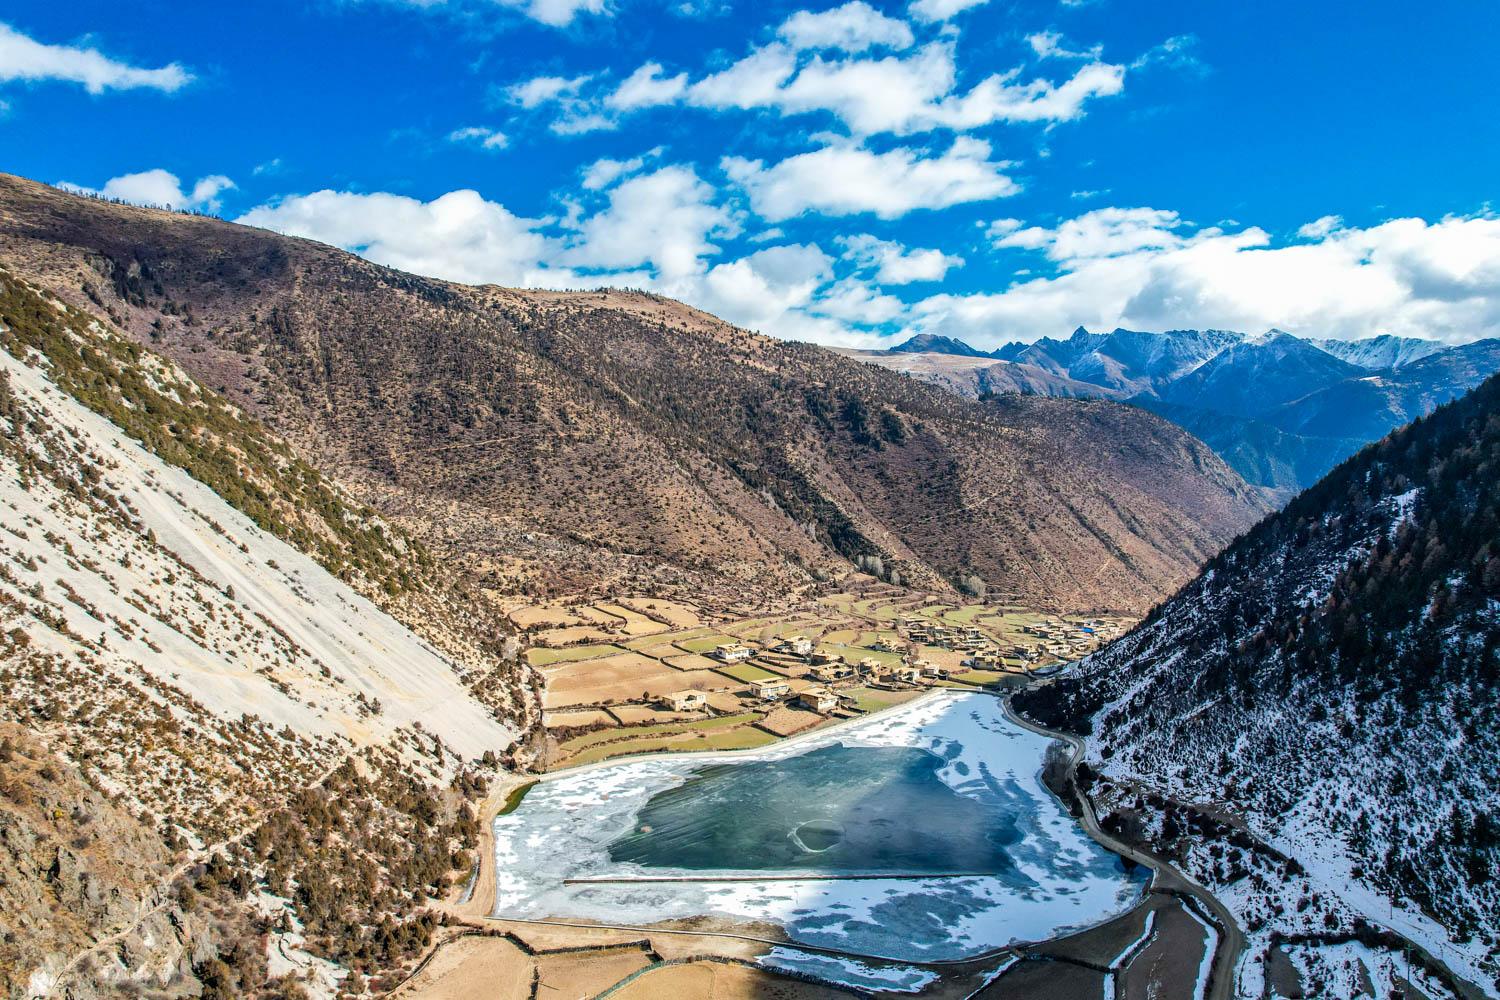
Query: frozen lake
point(944, 786)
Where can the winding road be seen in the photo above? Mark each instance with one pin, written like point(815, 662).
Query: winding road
point(1166, 877)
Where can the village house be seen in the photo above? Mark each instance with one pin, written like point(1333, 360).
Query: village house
point(870, 667)
point(818, 699)
point(690, 700)
point(933, 670)
point(904, 674)
point(822, 656)
point(797, 645)
point(831, 671)
point(732, 652)
point(771, 688)
point(885, 645)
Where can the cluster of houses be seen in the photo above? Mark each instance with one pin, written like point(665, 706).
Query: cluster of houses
point(1067, 640)
point(828, 670)
point(984, 654)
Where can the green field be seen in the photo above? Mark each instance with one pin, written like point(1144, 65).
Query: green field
point(539, 657)
point(656, 729)
point(978, 676)
point(705, 644)
point(746, 672)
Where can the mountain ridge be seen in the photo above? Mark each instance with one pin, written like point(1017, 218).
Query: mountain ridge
point(1280, 409)
point(558, 441)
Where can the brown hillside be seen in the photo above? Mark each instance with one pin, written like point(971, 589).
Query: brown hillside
point(571, 441)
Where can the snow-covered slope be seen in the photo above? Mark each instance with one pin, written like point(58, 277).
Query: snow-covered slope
point(1313, 725)
point(1384, 351)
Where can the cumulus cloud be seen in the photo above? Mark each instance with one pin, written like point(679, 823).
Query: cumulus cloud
point(758, 290)
point(849, 180)
point(663, 219)
point(25, 59)
point(854, 301)
point(895, 264)
point(1104, 232)
point(1319, 228)
point(854, 27)
point(541, 90)
point(1050, 45)
point(160, 189)
point(556, 13)
point(603, 172)
point(900, 94)
point(647, 87)
point(941, 10)
point(1147, 268)
point(820, 63)
point(484, 138)
point(459, 236)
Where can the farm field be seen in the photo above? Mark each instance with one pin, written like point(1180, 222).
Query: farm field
point(621, 678)
point(746, 672)
point(653, 648)
point(691, 737)
point(542, 657)
point(704, 644)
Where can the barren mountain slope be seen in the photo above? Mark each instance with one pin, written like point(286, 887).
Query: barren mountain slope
point(1313, 725)
point(569, 441)
point(176, 656)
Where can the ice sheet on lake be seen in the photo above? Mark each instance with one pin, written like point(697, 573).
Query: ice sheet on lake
point(848, 971)
point(1061, 881)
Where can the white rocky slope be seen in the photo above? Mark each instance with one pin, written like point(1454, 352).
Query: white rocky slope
point(152, 597)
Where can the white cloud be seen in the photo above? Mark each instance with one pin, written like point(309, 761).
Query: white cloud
point(485, 138)
point(25, 59)
point(1148, 269)
point(603, 172)
point(1319, 228)
point(899, 94)
point(575, 115)
point(1050, 45)
point(895, 264)
point(807, 72)
point(854, 301)
point(541, 90)
point(1103, 232)
point(663, 219)
point(847, 180)
point(646, 88)
point(854, 27)
point(459, 236)
point(758, 290)
point(752, 82)
point(999, 98)
point(556, 13)
point(941, 10)
point(161, 189)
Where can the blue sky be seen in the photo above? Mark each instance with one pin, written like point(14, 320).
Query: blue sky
point(849, 173)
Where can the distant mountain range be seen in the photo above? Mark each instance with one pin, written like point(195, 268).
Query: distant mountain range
point(1281, 410)
point(1312, 727)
